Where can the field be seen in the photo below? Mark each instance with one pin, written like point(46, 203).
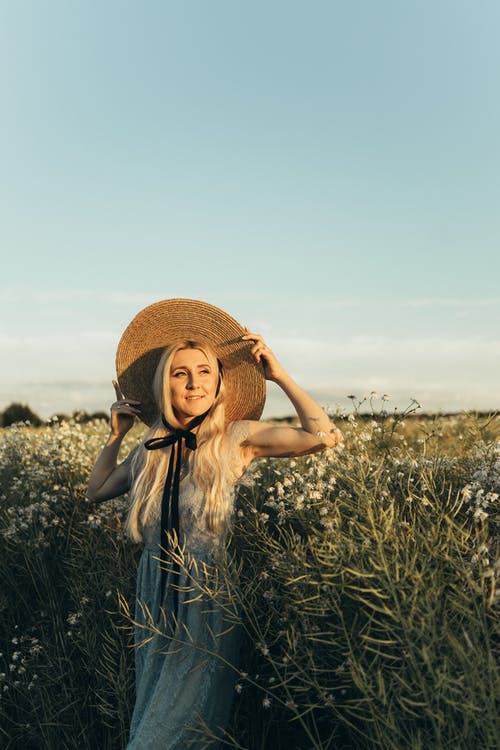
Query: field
point(365, 585)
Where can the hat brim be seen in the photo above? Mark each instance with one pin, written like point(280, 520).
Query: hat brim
point(167, 321)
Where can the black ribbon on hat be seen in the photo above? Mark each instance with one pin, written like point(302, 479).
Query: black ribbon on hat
point(170, 499)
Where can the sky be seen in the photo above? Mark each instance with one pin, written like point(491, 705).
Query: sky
point(326, 172)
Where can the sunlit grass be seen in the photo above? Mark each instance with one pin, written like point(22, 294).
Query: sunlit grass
point(365, 583)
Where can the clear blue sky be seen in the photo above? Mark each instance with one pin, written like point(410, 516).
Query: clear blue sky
point(327, 172)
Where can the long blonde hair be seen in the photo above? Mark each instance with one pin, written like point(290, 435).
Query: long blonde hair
point(208, 464)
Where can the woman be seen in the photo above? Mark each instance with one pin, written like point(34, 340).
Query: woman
point(197, 378)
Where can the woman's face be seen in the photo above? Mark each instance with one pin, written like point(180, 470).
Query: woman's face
point(193, 384)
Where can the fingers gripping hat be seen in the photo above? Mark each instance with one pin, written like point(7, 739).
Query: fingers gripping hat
point(172, 320)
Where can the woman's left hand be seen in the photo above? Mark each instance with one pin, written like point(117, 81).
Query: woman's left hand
point(273, 370)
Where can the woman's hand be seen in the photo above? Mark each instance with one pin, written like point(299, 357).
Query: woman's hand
point(123, 412)
point(273, 370)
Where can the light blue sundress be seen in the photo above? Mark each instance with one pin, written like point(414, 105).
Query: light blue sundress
point(185, 672)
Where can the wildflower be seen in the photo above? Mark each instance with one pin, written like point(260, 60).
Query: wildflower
point(299, 502)
point(238, 687)
point(480, 515)
point(266, 702)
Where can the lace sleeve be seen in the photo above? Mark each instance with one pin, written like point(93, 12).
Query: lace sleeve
point(237, 432)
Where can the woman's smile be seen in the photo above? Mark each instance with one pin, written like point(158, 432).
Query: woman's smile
point(193, 384)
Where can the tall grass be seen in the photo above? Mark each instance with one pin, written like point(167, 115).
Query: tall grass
point(365, 585)
point(67, 679)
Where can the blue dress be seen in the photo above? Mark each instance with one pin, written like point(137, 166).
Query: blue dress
point(185, 668)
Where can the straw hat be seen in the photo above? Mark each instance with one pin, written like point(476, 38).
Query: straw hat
point(170, 320)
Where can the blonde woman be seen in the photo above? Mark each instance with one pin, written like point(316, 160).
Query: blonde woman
point(197, 378)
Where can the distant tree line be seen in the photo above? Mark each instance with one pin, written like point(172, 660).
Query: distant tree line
point(17, 412)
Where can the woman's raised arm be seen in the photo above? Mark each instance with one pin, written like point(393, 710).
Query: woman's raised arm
point(107, 479)
point(316, 432)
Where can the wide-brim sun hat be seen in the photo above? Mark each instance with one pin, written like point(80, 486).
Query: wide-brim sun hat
point(172, 320)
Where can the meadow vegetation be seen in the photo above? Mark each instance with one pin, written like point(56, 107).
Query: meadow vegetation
point(364, 581)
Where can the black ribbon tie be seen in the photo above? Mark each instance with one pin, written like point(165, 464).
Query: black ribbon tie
point(170, 499)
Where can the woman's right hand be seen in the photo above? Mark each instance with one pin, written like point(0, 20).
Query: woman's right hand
point(123, 412)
